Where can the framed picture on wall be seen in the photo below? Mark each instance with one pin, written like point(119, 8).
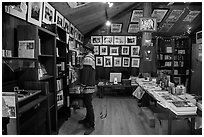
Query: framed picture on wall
point(136, 15)
point(131, 40)
point(116, 28)
point(159, 14)
point(59, 19)
point(107, 61)
point(117, 61)
point(135, 51)
point(66, 25)
point(148, 24)
point(135, 63)
point(108, 40)
point(96, 40)
point(126, 62)
point(119, 40)
point(19, 11)
point(198, 37)
point(35, 13)
point(48, 13)
point(125, 50)
point(72, 30)
point(114, 50)
point(96, 50)
point(99, 61)
point(133, 28)
point(103, 50)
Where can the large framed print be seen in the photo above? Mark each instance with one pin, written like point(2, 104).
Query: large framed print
point(136, 15)
point(135, 63)
point(99, 61)
point(35, 13)
point(133, 28)
point(19, 11)
point(96, 50)
point(199, 37)
point(103, 50)
point(126, 62)
point(66, 25)
point(148, 24)
point(108, 40)
point(135, 51)
point(96, 40)
point(107, 61)
point(59, 19)
point(131, 40)
point(117, 61)
point(114, 50)
point(125, 50)
point(191, 16)
point(119, 40)
point(72, 30)
point(175, 15)
point(48, 13)
point(159, 14)
point(116, 28)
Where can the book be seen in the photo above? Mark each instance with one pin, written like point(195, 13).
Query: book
point(183, 106)
point(26, 49)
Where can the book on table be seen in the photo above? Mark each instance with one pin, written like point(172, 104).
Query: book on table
point(183, 106)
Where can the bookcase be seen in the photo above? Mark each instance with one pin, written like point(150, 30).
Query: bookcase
point(173, 58)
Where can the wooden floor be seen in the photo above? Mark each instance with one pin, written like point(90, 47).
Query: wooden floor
point(114, 115)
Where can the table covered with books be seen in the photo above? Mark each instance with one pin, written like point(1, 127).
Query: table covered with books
point(175, 105)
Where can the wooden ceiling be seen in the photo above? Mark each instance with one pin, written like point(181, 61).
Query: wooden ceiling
point(92, 16)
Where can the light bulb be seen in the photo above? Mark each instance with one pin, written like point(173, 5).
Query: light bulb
point(108, 23)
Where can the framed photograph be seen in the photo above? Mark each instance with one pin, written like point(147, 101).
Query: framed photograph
point(117, 61)
point(116, 28)
point(66, 25)
point(126, 62)
point(191, 16)
point(48, 13)
point(107, 61)
point(19, 11)
point(166, 27)
point(114, 50)
point(96, 40)
point(125, 50)
point(35, 13)
point(174, 15)
point(72, 30)
point(133, 28)
point(99, 61)
point(119, 40)
point(199, 37)
point(103, 50)
point(136, 15)
point(108, 40)
point(59, 19)
point(177, 80)
point(135, 63)
point(148, 24)
point(131, 40)
point(135, 51)
point(96, 50)
point(159, 14)
point(76, 34)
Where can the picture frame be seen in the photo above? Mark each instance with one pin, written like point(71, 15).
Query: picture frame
point(99, 61)
point(59, 19)
point(103, 50)
point(48, 13)
point(114, 51)
point(35, 13)
point(96, 40)
point(108, 40)
point(133, 28)
point(177, 80)
point(125, 50)
point(117, 61)
point(119, 40)
point(191, 16)
point(198, 37)
point(72, 30)
point(66, 25)
point(126, 62)
point(136, 15)
point(107, 61)
point(116, 28)
point(174, 15)
point(135, 62)
point(135, 51)
point(96, 50)
point(131, 40)
point(159, 14)
point(148, 24)
point(17, 11)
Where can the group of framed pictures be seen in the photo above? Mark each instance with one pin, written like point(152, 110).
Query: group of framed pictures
point(114, 51)
point(110, 61)
point(42, 12)
point(114, 40)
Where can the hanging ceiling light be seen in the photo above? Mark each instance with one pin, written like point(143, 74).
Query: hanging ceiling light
point(108, 23)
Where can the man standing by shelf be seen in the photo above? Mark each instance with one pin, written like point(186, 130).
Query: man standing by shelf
point(87, 79)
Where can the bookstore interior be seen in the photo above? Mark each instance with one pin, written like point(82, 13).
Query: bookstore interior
point(129, 68)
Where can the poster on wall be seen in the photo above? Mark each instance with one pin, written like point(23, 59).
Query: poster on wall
point(126, 62)
point(107, 61)
point(48, 13)
point(96, 40)
point(148, 24)
point(159, 14)
point(116, 28)
point(174, 16)
point(131, 40)
point(135, 51)
point(119, 40)
point(133, 28)
point(35, 13)
point(135, 62)
point(59, 19)
point(117, 61)
point(125, 50)
point(136, 15)
point(66, 25)
point(108, 40)
point(103, 50)
point(191, 16)
point(114, 50)
point(99, 61)
point(96, 50)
